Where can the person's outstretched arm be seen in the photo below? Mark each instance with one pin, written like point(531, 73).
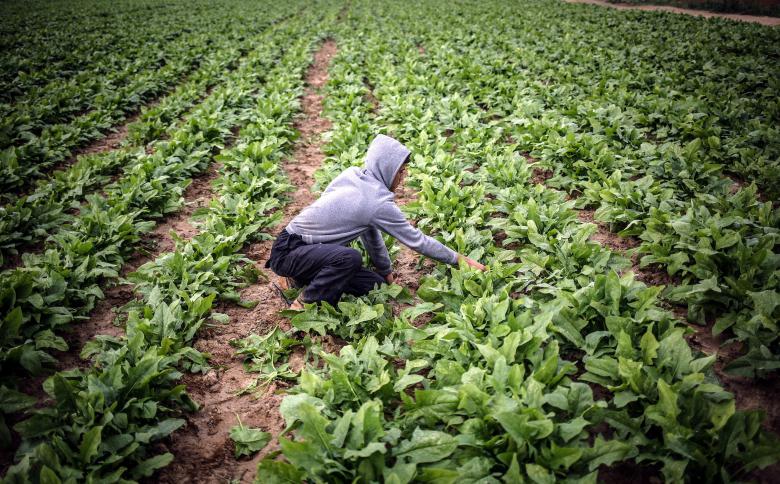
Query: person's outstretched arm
point(390, 219)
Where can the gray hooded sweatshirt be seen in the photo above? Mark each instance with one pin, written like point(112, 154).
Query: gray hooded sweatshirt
point(359, 203)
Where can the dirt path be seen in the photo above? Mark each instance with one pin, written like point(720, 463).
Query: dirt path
point(770, 21)
point(203, 449)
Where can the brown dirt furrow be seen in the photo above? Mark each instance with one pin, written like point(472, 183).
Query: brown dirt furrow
point(203, 449)
point(757, 19)
point(603, 235)
point(369, 96)
point(539, 175)
point(112, 139)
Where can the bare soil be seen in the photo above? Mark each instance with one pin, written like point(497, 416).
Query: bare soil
point(757, 19)
point(111, 141)
point(369, 96)
point(203, 450)
point(603, 235)
point(540, 175)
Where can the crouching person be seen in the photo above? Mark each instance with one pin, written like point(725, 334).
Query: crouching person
point(312, 250)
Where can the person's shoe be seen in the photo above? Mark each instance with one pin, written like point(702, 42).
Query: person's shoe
point(296, 304)
point(288, 283)
point(281, 293)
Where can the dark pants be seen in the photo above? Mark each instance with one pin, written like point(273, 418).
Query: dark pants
point(327, 270)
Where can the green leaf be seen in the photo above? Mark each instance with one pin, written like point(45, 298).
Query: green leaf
point(412, 313)
point(366, 451)
point(147, 467)
point(649, 346)
point(407, 381)
point(5, 433)
point(765, 302)
point(426, 446)
point(90, 443)
point(572, 428)
point(14, 401)
point(608, 452)
point(522, 428)
point(539, 474)
point(247, 440)
point(277, 472)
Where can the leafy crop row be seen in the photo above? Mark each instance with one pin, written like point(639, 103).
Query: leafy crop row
point(656, 166)
point(60, 286)
point(92, 433)
point(38, 133)
point(44, 211)
point(552, 364)
point(45, 45)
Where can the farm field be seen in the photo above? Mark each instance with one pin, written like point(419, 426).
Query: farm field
point(618, 172)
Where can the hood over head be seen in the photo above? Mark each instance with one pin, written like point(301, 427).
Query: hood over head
point(384, 158)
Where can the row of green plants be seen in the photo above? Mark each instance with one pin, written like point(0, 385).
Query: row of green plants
point(36, 134)
point(47, 43)
point(654, 152)
point(60, 286)
point(104, 421)
point(57, 198)
point(650, 136)
point(553, 365)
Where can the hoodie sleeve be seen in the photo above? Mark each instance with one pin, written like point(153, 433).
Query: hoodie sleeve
point(389, 218)
point(375, 246)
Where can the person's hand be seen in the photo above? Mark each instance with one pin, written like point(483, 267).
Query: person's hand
point(471, 262)
point(390, 278)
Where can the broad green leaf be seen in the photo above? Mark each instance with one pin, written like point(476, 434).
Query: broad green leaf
point(271, 471)
point(90, 443)
point(147, 467)
point(426, 446)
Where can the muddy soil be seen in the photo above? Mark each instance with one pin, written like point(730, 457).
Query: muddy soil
point(770, 21)
point(203, 450)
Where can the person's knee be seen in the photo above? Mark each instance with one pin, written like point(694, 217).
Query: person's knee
point(353, 259)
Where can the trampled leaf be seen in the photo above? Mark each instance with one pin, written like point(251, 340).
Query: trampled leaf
point(248, 441)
